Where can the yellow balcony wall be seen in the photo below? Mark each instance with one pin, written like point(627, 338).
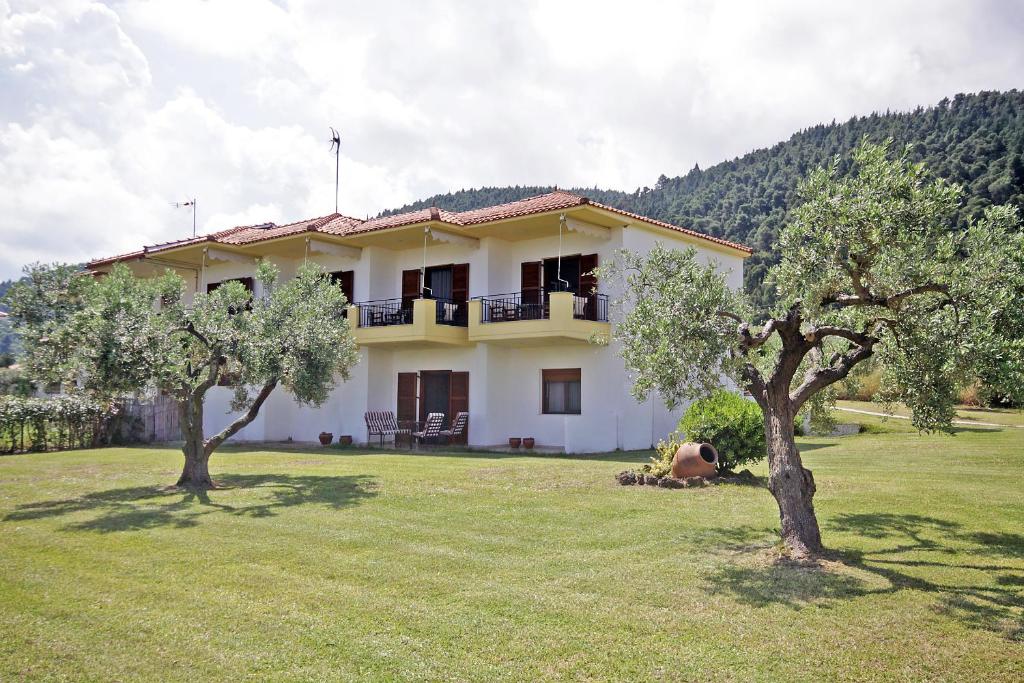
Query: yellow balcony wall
point(423, 330)
point(560, 327)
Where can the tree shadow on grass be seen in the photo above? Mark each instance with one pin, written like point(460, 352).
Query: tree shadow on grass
point(147, 507)
point(804, 446)
point(967, 572)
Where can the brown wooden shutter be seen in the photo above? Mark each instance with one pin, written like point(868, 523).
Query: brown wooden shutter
point(408, 393)
point(460, 282)
point(345, 278)
point(588, 281)
point(411, 287)
point(458, 400)
point(588, 284)
point(531, 276)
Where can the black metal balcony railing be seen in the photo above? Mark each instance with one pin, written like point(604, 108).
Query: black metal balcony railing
point(534, 305)
point(384, 312)
point(451, 312)
point(591, 307)
point(495, 308)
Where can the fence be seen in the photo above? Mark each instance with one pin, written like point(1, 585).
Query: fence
point(66, 422)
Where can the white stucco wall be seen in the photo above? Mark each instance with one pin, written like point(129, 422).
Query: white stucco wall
point(505, 381)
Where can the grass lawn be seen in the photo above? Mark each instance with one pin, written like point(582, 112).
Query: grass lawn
point(325, 564)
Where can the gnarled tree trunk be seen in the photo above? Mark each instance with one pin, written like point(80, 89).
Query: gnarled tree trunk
point(198, 449)
point(196, 472)
point(791, 483)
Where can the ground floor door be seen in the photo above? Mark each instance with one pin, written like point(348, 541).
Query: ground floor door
point(433, 391)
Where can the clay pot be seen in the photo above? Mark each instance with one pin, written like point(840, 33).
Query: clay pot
point(694, 460)
point(326, 438)
point(514, 441)
point(528, 442)
point(345, 440)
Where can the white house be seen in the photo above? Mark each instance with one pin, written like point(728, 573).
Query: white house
point(491, 311)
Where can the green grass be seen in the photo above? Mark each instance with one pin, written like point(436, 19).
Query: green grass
point(335, 565)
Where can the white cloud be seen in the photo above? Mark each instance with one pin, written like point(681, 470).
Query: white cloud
point(111, 112)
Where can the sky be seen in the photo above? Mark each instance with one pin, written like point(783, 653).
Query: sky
point(110, 112)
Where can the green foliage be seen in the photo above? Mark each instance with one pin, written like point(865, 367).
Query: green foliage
point(871, 250)
point(869, 267)
point(661, 464)
point(40, 424)
point(13, 382)
point(732, 424)
point(121, 334)
point(676, 343)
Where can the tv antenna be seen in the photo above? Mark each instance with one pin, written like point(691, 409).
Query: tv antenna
point(336, 148)
point(191, 203)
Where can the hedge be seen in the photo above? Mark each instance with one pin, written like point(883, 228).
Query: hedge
point(58, 423)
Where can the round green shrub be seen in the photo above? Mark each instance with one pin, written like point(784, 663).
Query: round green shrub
point(732, 424)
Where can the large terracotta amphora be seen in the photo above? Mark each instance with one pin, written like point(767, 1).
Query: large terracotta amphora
point(694, 460)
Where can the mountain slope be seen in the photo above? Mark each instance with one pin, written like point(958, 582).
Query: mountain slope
point(976, 140)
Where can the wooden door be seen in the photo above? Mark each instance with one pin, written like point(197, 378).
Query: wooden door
point(531, 274)
point(588, 284)
point(458, 400)
point(412, 288)
point(345, 278)
point(408, 396)
point(460, 282)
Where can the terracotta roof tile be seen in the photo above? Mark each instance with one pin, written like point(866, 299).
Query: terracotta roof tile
point(552, 201)
point(339, 225)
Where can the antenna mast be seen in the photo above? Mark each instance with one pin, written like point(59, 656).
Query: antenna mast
point(336, 148)
point(192, 203)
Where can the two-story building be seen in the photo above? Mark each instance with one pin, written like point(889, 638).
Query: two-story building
point(493, 311)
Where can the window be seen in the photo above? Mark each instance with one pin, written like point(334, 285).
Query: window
point(561, 392)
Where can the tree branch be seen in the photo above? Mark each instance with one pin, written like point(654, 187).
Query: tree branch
point(817, 334)
point(869, 299)
point(731, 316)
point(816, 380)
point(749, 341)
point(242, 420)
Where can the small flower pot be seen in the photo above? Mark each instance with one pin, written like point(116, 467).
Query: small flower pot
point(345, 440)
point(326, 438)
point(529, 442)
point(514, 441)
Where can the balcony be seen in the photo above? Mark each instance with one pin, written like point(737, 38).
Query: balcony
point(390, 323)
point(538, 318)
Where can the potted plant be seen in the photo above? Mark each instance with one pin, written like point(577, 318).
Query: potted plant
point(528, 442)
point(345, 440)
point(326, 438)
point(514, 441)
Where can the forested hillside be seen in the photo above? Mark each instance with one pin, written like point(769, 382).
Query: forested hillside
point(976, 140)
point(8, 340)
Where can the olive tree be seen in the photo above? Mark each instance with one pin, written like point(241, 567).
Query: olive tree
point(119, 334)
point(871, 267)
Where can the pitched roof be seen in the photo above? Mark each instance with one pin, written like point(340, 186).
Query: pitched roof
point(339, 225)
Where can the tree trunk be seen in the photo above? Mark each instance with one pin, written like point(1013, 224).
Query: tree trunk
point(790, 483)
point(197, 448)
point(196, 472)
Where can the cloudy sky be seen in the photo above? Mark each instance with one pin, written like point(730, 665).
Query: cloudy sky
point(111, 111)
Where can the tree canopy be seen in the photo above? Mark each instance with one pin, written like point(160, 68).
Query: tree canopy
point(869, 268)
point(121, 334)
